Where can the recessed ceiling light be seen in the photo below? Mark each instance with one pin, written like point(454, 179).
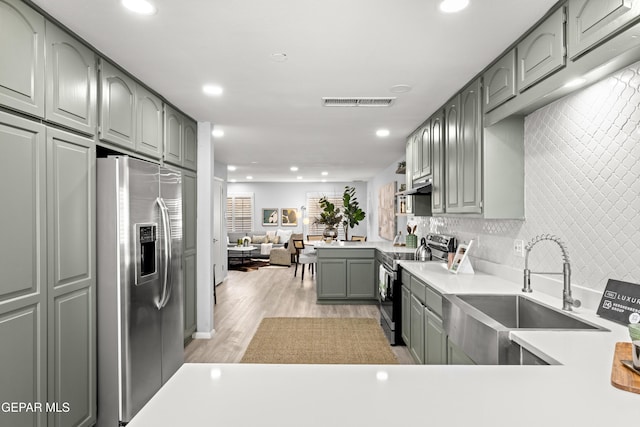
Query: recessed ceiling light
point(279, 57)
point(452, 6)
point(233, 180)
point(325, 173)
point(249, 177)
point(294, 168)
point(298, 177)
point(575, 82)
point(231, 168)
point(217, 133)
point(382, 133)
point(142, 7)
point(400, 89)
point(212, 90)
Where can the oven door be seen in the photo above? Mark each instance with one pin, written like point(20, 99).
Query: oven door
point(386, 279)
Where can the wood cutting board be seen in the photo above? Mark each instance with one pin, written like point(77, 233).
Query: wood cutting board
point(621, 376)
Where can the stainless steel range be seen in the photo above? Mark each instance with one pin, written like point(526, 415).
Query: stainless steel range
point(389, 292)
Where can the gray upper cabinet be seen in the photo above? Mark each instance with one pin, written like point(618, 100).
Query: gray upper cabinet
point(118, 113)
point(591, 22)
point(190, 141)
point(437, 145)
point(71, 82)
point(173, 136)
point(500, 81)
point(453, 152)
point(21, 58)
point(71, 277)
point(542, 52)
point(417, 155)
point(23, 263)
point(149, 135)
point(426, 140)
point(189, 201)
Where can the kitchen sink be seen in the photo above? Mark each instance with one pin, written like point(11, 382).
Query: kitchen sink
point(480, 323)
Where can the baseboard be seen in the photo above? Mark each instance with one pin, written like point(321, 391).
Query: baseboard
point(203, 335)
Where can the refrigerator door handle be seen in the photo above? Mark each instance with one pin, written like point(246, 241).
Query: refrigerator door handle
point(166, 225)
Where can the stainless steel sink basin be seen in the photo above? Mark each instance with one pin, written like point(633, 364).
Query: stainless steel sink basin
point(480, 323)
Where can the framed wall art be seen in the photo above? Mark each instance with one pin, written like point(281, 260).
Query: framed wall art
point(289, 217)
point(269, 216)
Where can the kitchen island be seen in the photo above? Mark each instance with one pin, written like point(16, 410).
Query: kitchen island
point(575, 392)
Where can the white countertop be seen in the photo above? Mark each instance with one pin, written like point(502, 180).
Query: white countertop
point(382, 245)
point(576, 393)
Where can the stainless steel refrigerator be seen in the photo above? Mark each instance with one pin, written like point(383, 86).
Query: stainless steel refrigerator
point(139, 293)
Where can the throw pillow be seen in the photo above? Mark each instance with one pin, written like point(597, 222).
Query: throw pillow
point(259, 239)
point(284, 235)
point(271, 233)
point(273, 239)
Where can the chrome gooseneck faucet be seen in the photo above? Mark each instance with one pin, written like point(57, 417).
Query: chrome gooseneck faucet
point(567, 299)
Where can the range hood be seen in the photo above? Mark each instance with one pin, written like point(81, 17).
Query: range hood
point(422, 187)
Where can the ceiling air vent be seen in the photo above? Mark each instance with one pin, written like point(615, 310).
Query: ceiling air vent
point(358, 102)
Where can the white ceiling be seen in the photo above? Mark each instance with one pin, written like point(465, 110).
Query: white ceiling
point(270, 111)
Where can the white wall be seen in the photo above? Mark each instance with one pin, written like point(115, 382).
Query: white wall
point(582, 183)
point(373, 186)
point(294, 195)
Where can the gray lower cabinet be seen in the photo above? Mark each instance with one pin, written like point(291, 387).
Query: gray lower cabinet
point(47, 289)
point(455, 356)
point(500, 81)
point(346, 274)
point(435, 339)
point(173, 136)
point(71, 82)
point(416, 342)
point(22, 58)
point(189, 200)
point(149, 136)
point(591, 22)
point(118, 112)
point(542, 52)
point(406, 315)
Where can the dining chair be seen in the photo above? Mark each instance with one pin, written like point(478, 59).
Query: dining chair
point(314, 237)
point(358, 238)
point(303, 258)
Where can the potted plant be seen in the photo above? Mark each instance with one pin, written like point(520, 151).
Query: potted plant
point(330, 217)
point(352, 214)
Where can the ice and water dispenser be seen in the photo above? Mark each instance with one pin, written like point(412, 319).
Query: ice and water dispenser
point(146, 253)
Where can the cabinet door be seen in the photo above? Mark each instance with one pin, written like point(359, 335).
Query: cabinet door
point(21, 58)
point(592, 22)
point(361, 278)
point(409, 173)
point(118, 115)
point(452, 154)
point(189, 199)
point(71, 277)
point(332, 278)
point(426, 140)
point(190, 141)
point(500, 81)
point(71, 82)
point(173, 135)
point(542, 52)
point(470, 145)
point(435, 339)
point(417, 155)
point(406, 315)
point(23, 327)
point(417, 330)
point(148, 123)
point(437, 145)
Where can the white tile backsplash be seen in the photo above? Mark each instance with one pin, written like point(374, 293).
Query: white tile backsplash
point(582, 183)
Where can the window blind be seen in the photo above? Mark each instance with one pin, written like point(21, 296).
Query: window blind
point(314, 210)
point(240, 212)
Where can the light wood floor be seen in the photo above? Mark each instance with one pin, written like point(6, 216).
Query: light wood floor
point(245, 298)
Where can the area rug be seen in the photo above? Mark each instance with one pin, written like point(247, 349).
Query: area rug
point(319, 341)
point(249, 265)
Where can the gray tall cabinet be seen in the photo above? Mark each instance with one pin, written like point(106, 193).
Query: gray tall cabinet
point(54, 112)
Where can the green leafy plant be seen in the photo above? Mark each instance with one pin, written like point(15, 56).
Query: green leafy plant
point(330, 215)
point(352, 214)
